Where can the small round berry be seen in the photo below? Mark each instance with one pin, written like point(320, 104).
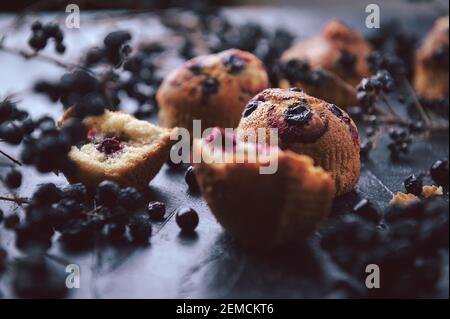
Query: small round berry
point(156, 210)
point(46, 194)
point(140, 230)
point(439, 172)
point(76, 191)
point(13, 179)
point(36, 26)
point(130, 198)
point(2, 216)
point(187, 219)
point(11, 133)
point(190, 179)
point(60, 48)
point(107, 193)
point(413, 185)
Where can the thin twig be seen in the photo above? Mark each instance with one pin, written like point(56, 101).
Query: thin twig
point(12, 159)
point(427, 120)
point(18, 200)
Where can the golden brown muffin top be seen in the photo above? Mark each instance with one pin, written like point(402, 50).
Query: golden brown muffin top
point(338, 49)
point(299, 117)
point(206, 76)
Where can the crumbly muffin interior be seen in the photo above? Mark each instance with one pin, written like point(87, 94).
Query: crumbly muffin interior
point(137, 138)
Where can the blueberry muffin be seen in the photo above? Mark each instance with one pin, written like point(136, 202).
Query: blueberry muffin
point(310, 126)
point(263, 210)
point(432, 61)
point(328, 65)
point(120, 148)
point(212, 88)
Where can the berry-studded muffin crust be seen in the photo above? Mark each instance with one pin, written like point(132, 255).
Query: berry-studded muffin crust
point(310, 126)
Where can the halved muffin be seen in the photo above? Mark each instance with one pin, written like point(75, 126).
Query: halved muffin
point(263, 210)
point(120, 148)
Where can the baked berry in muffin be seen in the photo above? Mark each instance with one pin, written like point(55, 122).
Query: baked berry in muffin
point(432, 62)
point(118, 147)
point(328, 65)
point(212, 88)
point(262, 210)
point(310, 126)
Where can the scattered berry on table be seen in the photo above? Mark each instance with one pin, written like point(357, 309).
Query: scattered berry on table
point(187, 219)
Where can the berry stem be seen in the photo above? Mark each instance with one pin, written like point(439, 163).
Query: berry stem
point(17, 200)
point(427, 120)
point(27, 55)
point(391, 109)
point(12, 159)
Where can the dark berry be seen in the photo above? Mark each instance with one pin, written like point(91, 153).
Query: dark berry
point(27, 126)
point(11, 221)
point(336, 111)
point(116, 39)
point(110, 145)
point(190, 179)
point(156, 210)
point(250, 108)
point(7, 109)
point(13, 179)
point(116, 231)
point(107, 193)
point(76, 191)
point(2, 216)
point(439, 172)
point(234, 64)
point(94, 56)
point(36, 26)
point(187, 219)
point(46, 194)
point(298, 114)
point(413, 185)
point(130, 198)
point(74, 130)
point(140, 229)
point(11, 133)
point(210, 86)
point(366, 210)
point(60, 48)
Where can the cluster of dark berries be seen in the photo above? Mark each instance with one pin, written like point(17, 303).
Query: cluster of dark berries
point(400, 142)
point(300, 71)
point(346, 62)
point(115, 48)
point(377, 61)
point(142, 82)
point(41, 34)
point(82, 91)
point(370, 88)
point(393, 38)
point(407, 250)
point(14, 123)
point(47, 148)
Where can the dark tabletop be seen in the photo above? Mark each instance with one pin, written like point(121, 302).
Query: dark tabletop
point(209, 264)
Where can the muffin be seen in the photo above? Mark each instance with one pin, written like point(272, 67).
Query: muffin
point(310, 126)
point(118, 147)
point(328, 65)
point(263, 211)
point(431, 76)
point(212, 88)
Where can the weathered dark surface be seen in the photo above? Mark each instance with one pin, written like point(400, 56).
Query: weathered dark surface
point(208, 265)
